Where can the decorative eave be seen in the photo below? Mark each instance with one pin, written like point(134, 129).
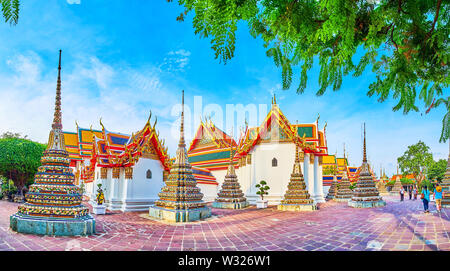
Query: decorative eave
point(138, 144)
point(246, 144)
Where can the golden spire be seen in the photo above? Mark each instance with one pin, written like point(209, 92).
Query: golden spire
point(364, 145)
point(57, 116)
point(56, 137)
point(231, 169)
point(182, 143)
point(231, 148)
point(344, 150)
point(297, 168)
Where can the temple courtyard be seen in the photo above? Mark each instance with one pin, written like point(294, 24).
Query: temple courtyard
point(397, 226)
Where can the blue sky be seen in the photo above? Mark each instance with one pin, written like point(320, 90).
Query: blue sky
point(125, 58)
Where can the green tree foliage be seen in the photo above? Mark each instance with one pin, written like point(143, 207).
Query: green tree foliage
point(10, 11)
point(445, 134)
point(19, 160)
point(437, 170)
point(12, 135)
point(416, 160)
point(405, 42)
point(406, 181)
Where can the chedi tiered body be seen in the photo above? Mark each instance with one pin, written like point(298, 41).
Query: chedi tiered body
point(344, 193)
point(231, 195)
point(180, 191)
point(397, 186)
point(365, 194)
point(332, 192)
point(297, 197)
point(382, 188)
point(53, 194)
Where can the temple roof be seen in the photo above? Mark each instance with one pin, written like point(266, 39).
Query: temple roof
point(407, 176)
point(307, 136)
point(209, 134)
point(204, 176)
point(120, 150)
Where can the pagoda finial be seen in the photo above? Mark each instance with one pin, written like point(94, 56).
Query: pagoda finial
point(57, 124)
point(274, 98)
point(231, 147)
point(344, 150)
point(364, 145)
point(182, 143)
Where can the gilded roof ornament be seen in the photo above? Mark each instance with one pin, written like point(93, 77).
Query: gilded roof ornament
point(103, 127)
point(154, 124)
point(149, 117)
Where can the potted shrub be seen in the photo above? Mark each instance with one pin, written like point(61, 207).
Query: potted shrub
point(263, 188)
point(98, 208)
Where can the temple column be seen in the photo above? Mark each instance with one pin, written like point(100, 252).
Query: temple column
point(318, 185)
point(306, 174)
point(114, 189)
point(126, 188)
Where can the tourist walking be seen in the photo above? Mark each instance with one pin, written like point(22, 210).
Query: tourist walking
point(425, 196)
point(402, 193)
point(438, 197)
point(415, 192)
point(410, 192)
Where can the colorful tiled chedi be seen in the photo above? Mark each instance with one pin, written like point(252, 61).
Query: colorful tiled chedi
point(53, 203)
point(395, 191)
point(344, 193)
point(297, 197)
point(230, 196)
point(180, 200)
point(446, 184)
point(365, 194)
point(333, 189)
point(381, 185)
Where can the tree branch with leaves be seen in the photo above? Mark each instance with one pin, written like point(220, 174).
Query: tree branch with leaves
point(406, 43)
point(10, 11)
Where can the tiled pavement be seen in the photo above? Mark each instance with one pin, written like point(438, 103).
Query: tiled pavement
point(398, 226)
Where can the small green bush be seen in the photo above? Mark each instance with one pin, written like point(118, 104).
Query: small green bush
point(263, 187)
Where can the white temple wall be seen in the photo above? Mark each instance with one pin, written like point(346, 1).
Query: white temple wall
point(220, 176)
point(277, 178)
point(138, 193)
point(209, 191)
point(244, 178)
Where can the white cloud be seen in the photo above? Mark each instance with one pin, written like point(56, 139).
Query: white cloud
point(71, 2)
point(176, 61)
point(91, 90)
